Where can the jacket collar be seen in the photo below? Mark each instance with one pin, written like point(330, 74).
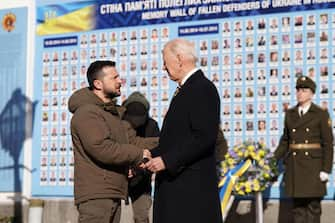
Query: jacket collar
point(188, 75)
point(297, 120)
point(110, 107)
point(86, 96)
point(193, 77)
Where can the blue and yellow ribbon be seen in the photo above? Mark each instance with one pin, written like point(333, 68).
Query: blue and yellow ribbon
point(226, 185)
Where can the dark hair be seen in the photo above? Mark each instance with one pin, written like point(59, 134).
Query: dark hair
point(94, 71)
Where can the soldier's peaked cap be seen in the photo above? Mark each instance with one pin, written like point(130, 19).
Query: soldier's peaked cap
point(305, 82)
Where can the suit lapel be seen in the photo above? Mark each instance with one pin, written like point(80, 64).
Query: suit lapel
point(178, 97)
point(194, 77)
point(188, 83)
point(191, 79)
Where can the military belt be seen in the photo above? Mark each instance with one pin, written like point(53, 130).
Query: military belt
point(305, 146)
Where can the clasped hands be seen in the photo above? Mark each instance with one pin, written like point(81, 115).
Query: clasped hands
point(152, 164)
point(147, 163)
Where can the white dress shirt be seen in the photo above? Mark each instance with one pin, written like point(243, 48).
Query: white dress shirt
point(188, 75)
point(304, 109)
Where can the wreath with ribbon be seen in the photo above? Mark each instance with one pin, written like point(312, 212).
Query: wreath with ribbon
point(247, 168)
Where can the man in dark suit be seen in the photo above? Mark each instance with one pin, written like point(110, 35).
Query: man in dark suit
point(221, 149)
point(186, 182)
point(307, 149)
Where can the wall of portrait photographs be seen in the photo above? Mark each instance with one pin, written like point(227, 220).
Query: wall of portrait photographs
point(253, 60)
point(137, 52)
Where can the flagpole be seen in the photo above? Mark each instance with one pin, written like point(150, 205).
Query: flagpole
point(259, 207)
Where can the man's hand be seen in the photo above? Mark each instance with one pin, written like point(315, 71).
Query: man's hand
point(130, 173)
point(324, 177)
point(146, 158)
point(155, 165)
point(146, 154)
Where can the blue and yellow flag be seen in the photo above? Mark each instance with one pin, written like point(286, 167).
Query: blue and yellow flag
point(65, 18)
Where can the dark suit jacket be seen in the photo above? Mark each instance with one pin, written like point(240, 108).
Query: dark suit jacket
point(187, 190)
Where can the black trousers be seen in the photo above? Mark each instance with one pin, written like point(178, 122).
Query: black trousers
point(307, 210)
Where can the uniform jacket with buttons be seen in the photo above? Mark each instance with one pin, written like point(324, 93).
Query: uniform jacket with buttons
point(303, 166)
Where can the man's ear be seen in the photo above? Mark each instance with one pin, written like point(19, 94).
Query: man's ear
point(180, 59)
point(97, 84)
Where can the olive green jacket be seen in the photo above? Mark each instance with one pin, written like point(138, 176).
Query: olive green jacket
point(104, 147)
point(303, 165)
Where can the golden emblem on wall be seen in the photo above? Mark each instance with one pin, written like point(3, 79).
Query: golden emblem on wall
point(8, 22)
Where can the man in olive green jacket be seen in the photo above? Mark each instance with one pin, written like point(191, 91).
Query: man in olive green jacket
point(306, 147)
point(104, 146)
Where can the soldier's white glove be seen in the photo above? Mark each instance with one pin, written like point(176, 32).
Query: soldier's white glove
point(324, 176)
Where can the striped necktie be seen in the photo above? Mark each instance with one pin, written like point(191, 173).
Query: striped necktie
point(176, 91)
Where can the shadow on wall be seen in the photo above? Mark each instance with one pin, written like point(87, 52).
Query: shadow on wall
point(16, 125)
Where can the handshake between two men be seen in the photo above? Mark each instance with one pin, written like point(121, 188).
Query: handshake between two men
point(148, 163)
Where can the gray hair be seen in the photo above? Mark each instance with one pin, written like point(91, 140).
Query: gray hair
point(182, 47)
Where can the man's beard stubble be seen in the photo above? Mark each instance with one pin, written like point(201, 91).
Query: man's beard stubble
point(111, 94)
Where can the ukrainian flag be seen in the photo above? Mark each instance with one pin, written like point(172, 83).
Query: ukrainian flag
point(66, 18)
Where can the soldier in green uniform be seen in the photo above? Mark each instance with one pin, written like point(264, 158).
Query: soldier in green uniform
point(306, 148)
